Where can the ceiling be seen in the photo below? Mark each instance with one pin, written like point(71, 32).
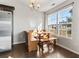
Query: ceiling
point(45, 4)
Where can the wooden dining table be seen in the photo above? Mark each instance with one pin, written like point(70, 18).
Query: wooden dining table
point(45, 40)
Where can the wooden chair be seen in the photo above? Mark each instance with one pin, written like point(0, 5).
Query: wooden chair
point(44, 38)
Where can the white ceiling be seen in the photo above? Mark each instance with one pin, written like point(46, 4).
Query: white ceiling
point(44, 4)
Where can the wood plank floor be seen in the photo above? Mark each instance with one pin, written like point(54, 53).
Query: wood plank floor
point(19, 51)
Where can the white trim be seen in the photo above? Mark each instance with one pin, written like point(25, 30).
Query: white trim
point(67, 48)
point(19, 42)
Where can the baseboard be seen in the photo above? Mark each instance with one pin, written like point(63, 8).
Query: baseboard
point(19, 42)
point(67, 48)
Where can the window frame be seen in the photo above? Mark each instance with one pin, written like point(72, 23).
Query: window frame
point(58, 20)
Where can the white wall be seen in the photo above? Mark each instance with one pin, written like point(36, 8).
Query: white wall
point(24, 18)
point(70, 44)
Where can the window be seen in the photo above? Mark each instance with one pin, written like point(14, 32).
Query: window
point(52, 23)
point(60, 23)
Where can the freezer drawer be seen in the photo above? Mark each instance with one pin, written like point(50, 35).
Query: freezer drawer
point(5, 43)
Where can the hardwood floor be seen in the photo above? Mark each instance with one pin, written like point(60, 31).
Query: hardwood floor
point(19, 51)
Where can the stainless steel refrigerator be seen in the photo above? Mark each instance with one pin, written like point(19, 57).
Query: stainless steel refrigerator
point(5, 30)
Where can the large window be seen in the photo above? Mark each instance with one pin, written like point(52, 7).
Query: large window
point(61, 22)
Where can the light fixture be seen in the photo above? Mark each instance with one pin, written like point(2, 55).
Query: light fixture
point(34, 4)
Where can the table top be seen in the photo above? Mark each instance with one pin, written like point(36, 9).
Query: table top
point(52, 38)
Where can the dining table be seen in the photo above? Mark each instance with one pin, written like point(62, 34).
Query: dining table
point(44, 38)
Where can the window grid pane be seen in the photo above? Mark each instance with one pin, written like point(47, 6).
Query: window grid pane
point(52, 23)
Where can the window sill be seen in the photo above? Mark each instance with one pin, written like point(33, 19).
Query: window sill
point(59, 36)
point(64, 37)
